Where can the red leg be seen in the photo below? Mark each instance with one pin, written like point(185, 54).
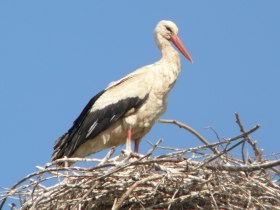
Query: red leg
point(136, 145)
point(128, 140)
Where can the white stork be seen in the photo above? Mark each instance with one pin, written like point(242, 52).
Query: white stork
point(127, 109)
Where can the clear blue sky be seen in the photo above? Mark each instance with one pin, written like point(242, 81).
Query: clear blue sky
point(55, 55)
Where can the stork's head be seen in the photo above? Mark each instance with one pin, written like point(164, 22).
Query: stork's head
point(168, 30)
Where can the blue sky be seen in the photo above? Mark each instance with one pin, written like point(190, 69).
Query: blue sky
point(55, 55)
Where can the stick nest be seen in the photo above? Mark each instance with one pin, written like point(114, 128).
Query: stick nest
point(204, 177)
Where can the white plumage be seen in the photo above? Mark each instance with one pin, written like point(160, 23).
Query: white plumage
point(128, 106)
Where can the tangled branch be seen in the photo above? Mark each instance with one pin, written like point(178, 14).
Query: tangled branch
point(204, 177)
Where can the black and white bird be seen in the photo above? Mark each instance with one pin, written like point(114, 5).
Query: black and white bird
point(127, 109)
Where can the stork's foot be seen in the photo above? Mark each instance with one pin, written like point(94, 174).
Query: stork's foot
point(131, 156)
point(127, 156)
point(127, 153)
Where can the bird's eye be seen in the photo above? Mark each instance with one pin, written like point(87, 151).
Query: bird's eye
point(169, 30)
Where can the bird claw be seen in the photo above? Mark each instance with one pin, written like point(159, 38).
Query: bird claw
point(127, 156)
point(126, 153)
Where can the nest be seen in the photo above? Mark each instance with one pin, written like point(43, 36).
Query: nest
point(204, 177)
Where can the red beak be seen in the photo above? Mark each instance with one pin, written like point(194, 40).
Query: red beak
point(177, 42)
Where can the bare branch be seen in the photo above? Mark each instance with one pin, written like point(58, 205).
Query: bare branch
point(192, 178)
point(190, 129)
point(247, 168)
point(247, 137)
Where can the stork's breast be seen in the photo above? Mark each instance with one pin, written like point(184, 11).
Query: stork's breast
point(147, 114)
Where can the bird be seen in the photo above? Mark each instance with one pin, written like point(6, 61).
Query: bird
point(126, 110)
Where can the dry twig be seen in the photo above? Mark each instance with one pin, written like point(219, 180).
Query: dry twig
point(192, 178)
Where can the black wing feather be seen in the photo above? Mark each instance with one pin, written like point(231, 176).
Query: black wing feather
point(89, 124)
